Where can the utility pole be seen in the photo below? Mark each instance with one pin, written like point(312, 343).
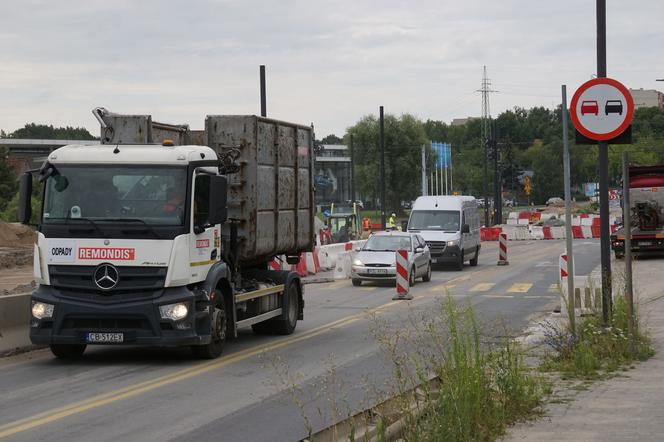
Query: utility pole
point(263, 95)
point(381, 143)
point(605, 240)
point(352, 171)
point(486, 117)
point(497, 181)
point(424, 171)
point(451, 188)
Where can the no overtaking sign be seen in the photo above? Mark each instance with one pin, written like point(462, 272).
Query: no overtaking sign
point(602, 109)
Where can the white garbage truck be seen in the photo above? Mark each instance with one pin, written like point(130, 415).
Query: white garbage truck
point(162, 236)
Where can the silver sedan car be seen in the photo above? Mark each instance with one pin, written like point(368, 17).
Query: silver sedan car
point(376, 261)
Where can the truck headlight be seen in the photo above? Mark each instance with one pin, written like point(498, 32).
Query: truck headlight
point(174, 312)
point(453, 243)
point(42, 310)
point(357, 262)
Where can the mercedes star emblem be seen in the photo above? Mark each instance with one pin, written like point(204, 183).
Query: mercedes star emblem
point(106, 276)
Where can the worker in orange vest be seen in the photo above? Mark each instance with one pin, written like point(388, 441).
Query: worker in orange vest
point(366, 224)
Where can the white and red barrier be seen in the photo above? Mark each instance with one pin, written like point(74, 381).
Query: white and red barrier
point(502, 250)
point(585, 226)
point(403, 276)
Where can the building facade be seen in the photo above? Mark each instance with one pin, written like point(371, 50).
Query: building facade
point(647, 98)
point(332, 173)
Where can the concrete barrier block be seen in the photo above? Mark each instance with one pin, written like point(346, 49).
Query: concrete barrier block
point(536, 232)
point(14, 322)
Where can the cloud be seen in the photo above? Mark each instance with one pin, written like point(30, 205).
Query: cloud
point(328, 62)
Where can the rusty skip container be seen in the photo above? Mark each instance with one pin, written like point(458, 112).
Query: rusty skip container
point(270, 196)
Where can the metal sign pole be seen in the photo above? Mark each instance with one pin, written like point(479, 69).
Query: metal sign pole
point(605, 240)
point(568, 217)
point(424, 172)
point(381, 142)
point(627, 228)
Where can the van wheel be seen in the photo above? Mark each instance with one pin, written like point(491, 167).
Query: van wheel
point(459, 263)
point(427, 275)
point(473, 262)
point(65, 351)
point(218, 326)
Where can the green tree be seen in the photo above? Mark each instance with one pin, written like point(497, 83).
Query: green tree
point(331, 139)
point(404, 137)
point(8, 183)
point(37, 131)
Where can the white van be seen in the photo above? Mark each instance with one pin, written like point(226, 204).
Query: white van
point(450, 225)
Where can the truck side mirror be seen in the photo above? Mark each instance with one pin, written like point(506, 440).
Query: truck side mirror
point(24, 199)
point(218, 199)
point(465, 228)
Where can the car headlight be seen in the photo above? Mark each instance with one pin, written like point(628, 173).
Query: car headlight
point(42, 310)
point(174, 312)
point(453, 243)
point(357, 262)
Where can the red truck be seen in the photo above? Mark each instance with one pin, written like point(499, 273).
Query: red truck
point(646, 191)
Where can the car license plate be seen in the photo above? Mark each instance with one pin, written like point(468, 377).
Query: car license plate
point(377, 271)
point(645, 243)
point(105, 338)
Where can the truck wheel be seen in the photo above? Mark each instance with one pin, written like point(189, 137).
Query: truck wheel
point(218, 326)
point(356, 282)
point(65, 351)
point(279, 326)
point(473, 262)
point(287, 326)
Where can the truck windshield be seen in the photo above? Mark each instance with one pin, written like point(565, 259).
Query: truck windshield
point(446, 220)
point(152, 195)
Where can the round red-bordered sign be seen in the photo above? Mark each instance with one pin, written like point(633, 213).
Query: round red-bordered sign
point(594, 107)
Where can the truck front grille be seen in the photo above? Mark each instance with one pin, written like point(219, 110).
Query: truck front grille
point(133, 282)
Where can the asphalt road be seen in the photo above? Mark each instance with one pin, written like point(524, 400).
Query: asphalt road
point(267, 388)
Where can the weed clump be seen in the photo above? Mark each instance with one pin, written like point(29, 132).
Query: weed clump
point(595, 350)
point(480, 390)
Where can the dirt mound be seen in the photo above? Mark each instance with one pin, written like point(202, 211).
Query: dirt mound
point(16, 235)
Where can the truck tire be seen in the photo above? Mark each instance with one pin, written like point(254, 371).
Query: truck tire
point(278, 326)
point(287, 326)
point(473, 262)
point(218, 328)
point(67, 351)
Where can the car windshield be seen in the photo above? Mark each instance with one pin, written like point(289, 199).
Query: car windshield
point(150, 195)
point(386, 243)
point(446, 220)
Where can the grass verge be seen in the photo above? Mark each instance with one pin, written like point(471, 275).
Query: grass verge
point(480, 388)
point(595, 351)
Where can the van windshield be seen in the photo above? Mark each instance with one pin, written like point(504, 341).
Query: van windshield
point(446, 220)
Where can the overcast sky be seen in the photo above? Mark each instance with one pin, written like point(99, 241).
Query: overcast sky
point(328, 62)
